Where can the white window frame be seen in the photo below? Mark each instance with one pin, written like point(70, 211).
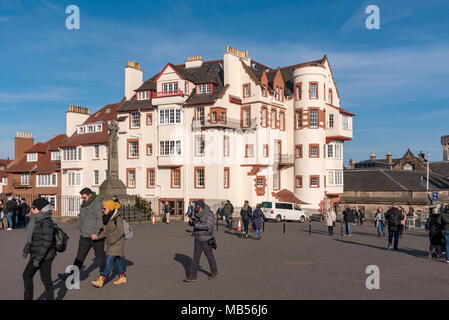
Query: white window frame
point(204, 88)
point(97, 151)
point(55, 156)
point(345, 123)
point(133, 149)
point(32, 157)
point(74, 178)
point(47, 180)
point(80, 130)
point(98, 127)
point(170, 148)
point(170, 116)
point(331, 120)
point(135, 120)
point(96, 177)
point(313, 118)
point(25, 179)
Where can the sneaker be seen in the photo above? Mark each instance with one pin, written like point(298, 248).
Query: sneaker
point(213, 277)
point(447, 261)
point(389, 248)
point(9, 229)
point(189, 279)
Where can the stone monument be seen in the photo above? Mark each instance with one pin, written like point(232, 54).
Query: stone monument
point(113, 186)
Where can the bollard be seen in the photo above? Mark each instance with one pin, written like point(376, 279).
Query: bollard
point(283, 226)
point(310, 227)
point(263, 225)
point(341, 229)
point(217, 222)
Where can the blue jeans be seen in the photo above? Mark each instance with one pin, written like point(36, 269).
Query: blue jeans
point(395, 235)
point(10, 216)
point(380, 227)
point(18, 221)
point(348, 228)
point(257, 232)
point(446, 236)
point(110, 260)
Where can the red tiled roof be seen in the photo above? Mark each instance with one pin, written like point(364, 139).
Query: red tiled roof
point(44, 165)
point(96, 137)
point(287, 196)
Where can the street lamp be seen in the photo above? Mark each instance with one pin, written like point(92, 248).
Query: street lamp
point(428, 162)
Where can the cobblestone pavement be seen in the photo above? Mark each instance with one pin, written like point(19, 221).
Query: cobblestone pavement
point(279, 266)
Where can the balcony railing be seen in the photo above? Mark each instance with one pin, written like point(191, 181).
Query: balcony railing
point(21, 184)
point(171, 93)
point(226, 124)
point(285, 159)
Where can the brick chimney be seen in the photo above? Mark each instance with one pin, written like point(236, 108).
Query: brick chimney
point(74, 117)
point(22, 142)
point(373, 157)
point(133, 78)
point(194, 62)
point(389, 158)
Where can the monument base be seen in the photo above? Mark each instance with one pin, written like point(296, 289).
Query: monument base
point(115, 187)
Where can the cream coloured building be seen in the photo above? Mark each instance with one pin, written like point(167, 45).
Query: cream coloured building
point(233, 129)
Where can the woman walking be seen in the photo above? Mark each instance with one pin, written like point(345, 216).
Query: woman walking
point(115, 243)
point(40, 245)
point(246, 213)
point(403, 222)
point(380, 222)
point(331, 217)
point(258, 220)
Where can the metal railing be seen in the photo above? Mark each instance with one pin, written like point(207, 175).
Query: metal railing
point(225, 124)
point(170, 93)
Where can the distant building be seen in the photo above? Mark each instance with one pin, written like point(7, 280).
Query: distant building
point(377, 183)
point(37, 172)
point(4, 164)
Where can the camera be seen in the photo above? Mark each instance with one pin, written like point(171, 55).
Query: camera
point(213, 243)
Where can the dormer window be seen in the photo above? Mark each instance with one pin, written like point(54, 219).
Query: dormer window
point(203, 88)
point(55, 156)
point(143, 95)
point(80, 130)
point(264, 91)
point(90, 129)
point(31, 157)
point(98, 127)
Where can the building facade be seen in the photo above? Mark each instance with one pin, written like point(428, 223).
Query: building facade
point(233, 129)
point(37, 173)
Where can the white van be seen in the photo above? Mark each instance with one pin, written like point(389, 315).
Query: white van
point(283, 211)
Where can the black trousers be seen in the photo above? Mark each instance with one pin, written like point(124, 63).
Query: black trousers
point(45, 271)
point(331, 230)
point(199, 247)
point(84, 246)
point(245, 225)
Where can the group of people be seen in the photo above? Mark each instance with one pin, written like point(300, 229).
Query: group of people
point(438, 227)
point(101, 227)
point(13, 213)
point(249, 217)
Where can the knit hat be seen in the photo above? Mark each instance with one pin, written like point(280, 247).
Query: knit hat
point(40, 203)
point(111, 205)
point(199, 203)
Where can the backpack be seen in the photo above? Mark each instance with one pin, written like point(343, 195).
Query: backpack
point(395, 217)
point(128, 230)
point(61, 239)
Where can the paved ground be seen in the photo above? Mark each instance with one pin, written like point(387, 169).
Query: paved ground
point(290, 266)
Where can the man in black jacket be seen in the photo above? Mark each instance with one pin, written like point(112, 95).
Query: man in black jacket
point(40, 245)
point(394, 218)
point(203, 222)
point(24, 209)
point(348, 219)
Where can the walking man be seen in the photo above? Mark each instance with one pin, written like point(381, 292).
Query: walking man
point(444, 216)
point(394, 217)
point(380, 222)
point(203, 222)
point(348, 219)
point(228, 210)
point(90, 224)
point(167, 211)
point(11, 208)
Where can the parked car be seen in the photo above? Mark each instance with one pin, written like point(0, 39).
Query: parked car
point(283, 211)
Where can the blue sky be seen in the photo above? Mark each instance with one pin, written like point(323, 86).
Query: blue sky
point(395, 79)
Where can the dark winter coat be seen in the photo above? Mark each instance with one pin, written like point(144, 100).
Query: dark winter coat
point(24, 208)
point(90, 219)
point(435, 228)
point(246, 214)
point(445, 219)
point(258, 218)
point(11, 206)
point(115, 234)
point(394, 217)
point(42, 246)
point(348, 216)
point(204, 224)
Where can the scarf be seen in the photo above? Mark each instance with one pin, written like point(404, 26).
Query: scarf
point(43, 214)
point(92, 197)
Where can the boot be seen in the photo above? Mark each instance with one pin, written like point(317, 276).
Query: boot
point(99, 282)
point(121, 280)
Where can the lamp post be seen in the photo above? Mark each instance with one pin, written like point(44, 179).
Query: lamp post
point(428, 163)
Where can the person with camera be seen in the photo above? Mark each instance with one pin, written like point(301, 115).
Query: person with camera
point(203, 223)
